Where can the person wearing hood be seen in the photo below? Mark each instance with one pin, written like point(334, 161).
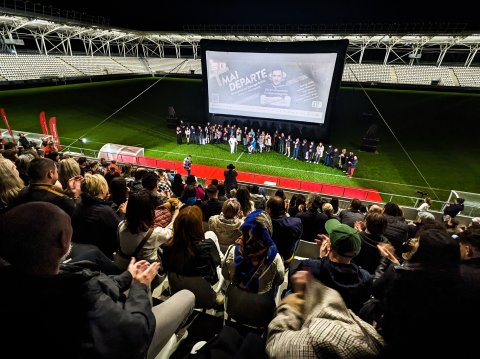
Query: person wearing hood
point(253, 263)
point(334, 267)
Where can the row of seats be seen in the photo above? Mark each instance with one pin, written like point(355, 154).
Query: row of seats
point(245, 308)
point(28, 67)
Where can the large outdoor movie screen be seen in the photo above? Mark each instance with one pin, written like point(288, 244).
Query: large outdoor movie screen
point(274, 85)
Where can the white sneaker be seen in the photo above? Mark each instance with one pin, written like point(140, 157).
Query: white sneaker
point(197, 347)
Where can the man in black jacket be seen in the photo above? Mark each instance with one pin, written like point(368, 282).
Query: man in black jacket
point(76, 311)
point(230, 178)
point(43, 176)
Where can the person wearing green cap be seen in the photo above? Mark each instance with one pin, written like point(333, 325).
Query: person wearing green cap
point(334, 267)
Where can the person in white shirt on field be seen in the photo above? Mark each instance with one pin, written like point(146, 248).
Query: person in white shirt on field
point(233, 144)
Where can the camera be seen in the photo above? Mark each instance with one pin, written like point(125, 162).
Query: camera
point(422, 193)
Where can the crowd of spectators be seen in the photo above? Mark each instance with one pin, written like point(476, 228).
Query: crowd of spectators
point(91, 240)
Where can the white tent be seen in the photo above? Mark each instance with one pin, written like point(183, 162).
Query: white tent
point(120, 153)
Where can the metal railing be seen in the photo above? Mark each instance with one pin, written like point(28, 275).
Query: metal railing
point(272, 182)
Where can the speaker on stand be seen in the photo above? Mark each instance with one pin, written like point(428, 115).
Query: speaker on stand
point(370, 140)
point(172, 118)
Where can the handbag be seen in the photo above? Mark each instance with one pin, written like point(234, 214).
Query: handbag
point(121, 259)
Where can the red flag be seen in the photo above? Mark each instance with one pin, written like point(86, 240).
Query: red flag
point(53, 131)
point(43, 123)
point(5, 119)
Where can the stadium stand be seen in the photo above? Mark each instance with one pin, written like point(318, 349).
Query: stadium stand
point(32, 67)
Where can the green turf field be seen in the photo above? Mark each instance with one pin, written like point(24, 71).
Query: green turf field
point(437, 130)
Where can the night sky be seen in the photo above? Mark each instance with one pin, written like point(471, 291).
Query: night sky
point(174, 14)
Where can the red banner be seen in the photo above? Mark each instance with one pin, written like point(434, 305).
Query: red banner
point(43, 123)
point(53, 132)
point(5, 119)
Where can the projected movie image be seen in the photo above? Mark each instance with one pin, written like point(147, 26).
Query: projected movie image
point(292, 87)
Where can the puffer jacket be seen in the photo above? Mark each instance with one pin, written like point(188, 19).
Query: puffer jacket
point(227, 230)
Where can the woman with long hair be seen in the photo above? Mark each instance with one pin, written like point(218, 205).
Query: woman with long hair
point(177, 185)
point(22, 166)
point(191, 251)
point(67, 169)
point(118, 194)
point(139, 224)
point(246, 204)
point(10, 183)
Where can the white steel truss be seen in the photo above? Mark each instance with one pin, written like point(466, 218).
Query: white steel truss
point(18, 34)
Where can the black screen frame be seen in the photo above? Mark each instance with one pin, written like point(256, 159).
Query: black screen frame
point(304, 129)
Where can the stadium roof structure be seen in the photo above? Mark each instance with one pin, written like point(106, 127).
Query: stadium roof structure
point(27, 34)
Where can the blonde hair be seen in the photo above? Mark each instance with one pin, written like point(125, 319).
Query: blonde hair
point(68, 168)
point(375, 208)
point(10, 182)
point(95, 185)
point(327, 208)
point(231, 207)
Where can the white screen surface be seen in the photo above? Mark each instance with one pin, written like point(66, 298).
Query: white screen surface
point(291, 87)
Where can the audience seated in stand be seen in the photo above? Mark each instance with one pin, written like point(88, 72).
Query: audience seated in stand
point(177, 185)
point(222, 195)
point(397, 227)
point(258, 199)
point(22, 166)
point(136, 185)
point(253, 263)
point(352, 214)
point(111, 174)
point(10, 183)
point(372, 235)
point(189, 196)
point(76, 311)
point(314, 322)
point(164, 213)
point(470, 255)
point(150, 184)
point(297, 203)
point(212, 206)
point(118, 195)
point(67, 169)
point(199, 192)
point(246, 204)
point(164, 185)
point(226, 225)
point(287, 231)
point(191, 251)
point(426, 301)
point(335, 268)
point(327, 209)
point(313, 220)
point(44, 186)
point(475, 223)
point(94, 221)
point(139, 224)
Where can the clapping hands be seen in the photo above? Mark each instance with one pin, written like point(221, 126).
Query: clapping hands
point(143, 271)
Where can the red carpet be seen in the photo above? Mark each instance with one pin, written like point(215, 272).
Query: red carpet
point(210, 172)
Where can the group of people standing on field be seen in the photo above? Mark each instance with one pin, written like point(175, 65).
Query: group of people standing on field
point(261, 141)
